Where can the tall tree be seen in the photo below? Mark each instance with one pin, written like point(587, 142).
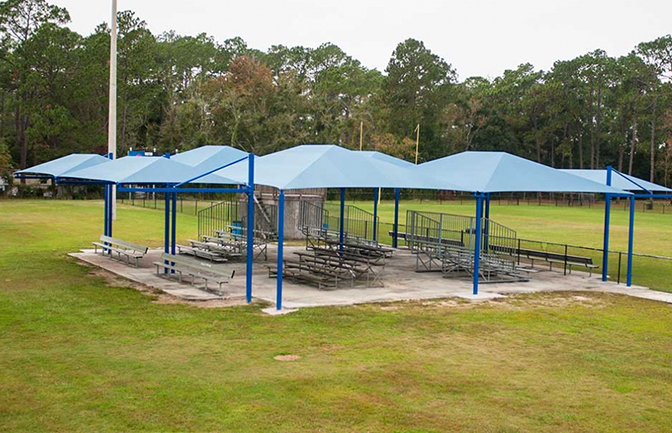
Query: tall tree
point(417, 86)
point(19, 21)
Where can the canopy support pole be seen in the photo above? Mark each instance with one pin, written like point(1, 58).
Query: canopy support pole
point(173, 226)
point(166, 234)
point(111, 206)
point(607, 219)
point(477, 241)
point(281, 239)
point(395, 237)
point(631, 239)
point(106, 218)
point(486, 240)
point(250, 228)
point(341, 229)
point(106, 201)
point(376, 197)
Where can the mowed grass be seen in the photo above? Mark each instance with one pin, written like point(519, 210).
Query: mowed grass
point(80, 355)
point(571, 225)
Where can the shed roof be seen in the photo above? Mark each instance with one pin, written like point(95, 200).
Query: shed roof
point(617, 181)
point(330, 166)
point(63, 165)
point(492, 172)
point(206, 158)
point(145, 170)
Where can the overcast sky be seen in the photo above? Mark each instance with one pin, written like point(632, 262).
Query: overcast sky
point(478, 37)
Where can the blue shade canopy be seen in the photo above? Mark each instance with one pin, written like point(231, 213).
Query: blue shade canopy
point(492, 172)
point(386, 158)
point(145, 170)
point(63, 165)
point(206, 158)
point(617, 181)
point(329, 166)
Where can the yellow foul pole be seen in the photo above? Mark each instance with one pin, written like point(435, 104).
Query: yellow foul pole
point(361, 134)
point(417, 142)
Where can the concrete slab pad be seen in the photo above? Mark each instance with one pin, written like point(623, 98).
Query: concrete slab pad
point(401, 283)
point(272, 311)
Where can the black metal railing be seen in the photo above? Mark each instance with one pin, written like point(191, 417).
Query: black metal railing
point(219, 216)
point(358, 223)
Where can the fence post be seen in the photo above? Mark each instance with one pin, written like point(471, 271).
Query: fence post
point(618, 278)
point(518, 251)
point(565, 273)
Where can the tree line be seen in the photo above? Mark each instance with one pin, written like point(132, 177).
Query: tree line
point(177, 92)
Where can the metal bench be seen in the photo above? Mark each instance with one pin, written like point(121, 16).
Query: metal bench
point(547, 256)
point(202, 250)
point(120, 247)
point(196, 269)
point(369, 268)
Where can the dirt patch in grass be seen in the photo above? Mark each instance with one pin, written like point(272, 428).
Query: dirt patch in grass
point(513, 301)
point(287, 358)
point(165, 299)
point(554, 300)
point(113, 280)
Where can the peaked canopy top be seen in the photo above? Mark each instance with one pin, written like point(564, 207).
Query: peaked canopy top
point(617, 181)
point(492, 172)
point(145, 170)
point(329, 166)
point(206, 158)
point(63, 165)
point(387, 158)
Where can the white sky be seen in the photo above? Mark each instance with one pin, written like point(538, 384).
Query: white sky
point(478, 37)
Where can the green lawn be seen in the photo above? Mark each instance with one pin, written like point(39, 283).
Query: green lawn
point(80, 355)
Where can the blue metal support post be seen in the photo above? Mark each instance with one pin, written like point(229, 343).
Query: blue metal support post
point(341, 229)
point(110, 197)
point(106, 200)
point(106, 222)
point(110, 204)
point(477, 240)
point(281, 238)
point(250, 228)
point(631, 239)
point(166, 234)
point(395, 241)
point(375, 214)
point(486, 240)
point(607, 219)
point(173, 226)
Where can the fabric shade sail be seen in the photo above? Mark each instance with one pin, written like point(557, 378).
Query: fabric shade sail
point(634, 184)
point(387, 158)
point(144, 170)
point(62, 166)
point(331, 166)
point(493, 172)
point(206, 158)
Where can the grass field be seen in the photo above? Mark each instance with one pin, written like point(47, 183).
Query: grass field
point(572, 225)
point(79, 354)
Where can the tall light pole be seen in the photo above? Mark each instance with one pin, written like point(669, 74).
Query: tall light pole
point(112, 120)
